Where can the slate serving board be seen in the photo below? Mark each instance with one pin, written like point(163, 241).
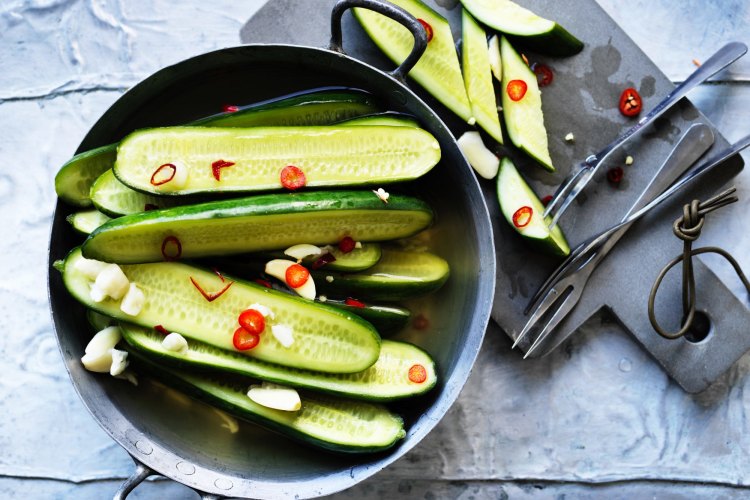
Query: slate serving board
point(582, 100)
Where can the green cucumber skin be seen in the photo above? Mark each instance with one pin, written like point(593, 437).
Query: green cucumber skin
point(174, 302)
point(113, 198)
point(392, 118)
point(555, 42)
point(383, 281)
point(74, 179)
point(386, 319)
point(225, 227)
point(329, 156)
point(329, 105)
point(364, 385)
point(229, 395)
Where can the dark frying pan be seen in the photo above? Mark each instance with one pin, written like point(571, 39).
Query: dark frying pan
point(185, 441)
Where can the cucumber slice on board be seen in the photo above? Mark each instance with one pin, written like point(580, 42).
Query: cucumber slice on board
point(114, 198)
point(386, 380)
point(524, 118)
point(438, 70)
point(325, 339)
point(478, 77)
point(86, 221)
point(319, 107)
point(327, 422)
point(513, 193)
point(333, 155)
point(257, 223)
point(398, 275)
point(526, 27)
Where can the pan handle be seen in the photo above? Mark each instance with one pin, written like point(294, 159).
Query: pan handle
point(387, 9)
point(143, 471)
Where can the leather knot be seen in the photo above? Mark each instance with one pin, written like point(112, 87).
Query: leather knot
point(688, 229)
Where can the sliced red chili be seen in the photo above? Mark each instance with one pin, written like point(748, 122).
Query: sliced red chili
point(544, 75)
point(522, 216)
point(420, 322)
point(218, 273)
point(292, 177)
point(516, 89)
point(171, 248)
point(546, 200)
point(150, 206)
point(427, 28)
point(354, 303)
point(296, 275)
point(211, 296)
point(264, 283)
point(615, 175)
point(347, 244)
point(252, 321)
point(244, 340)
point(417, 374)
point(230, 108)
point(161, 330)
point(324, 259)
point(163, 174)
point(218, 165)
point(630, 102)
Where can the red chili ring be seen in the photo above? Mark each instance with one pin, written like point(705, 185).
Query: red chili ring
point(522, 216)
point(176, 242)
point(164, 181)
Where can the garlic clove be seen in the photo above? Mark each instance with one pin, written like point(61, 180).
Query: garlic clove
point(119, 362)
point(284, 334)
point(175, 342)
point(89, 267)
point(112, 281)
point(275, 396)
point(301, 251)
point(480, 158)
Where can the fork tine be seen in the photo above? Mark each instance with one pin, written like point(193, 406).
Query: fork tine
point(573, 192)
point(562, 192)
point(583, 250)
point(569, 300)
point(549, 300)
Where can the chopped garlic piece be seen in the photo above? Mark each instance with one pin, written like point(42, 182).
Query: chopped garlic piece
point(265, 311)
point(89, 267)
point(133, 301)
point(283, 334)
point(104, 340)
point(329, 278)
point(570, 137)
point(275, 396)
point(322, 298)
point(358, 244)
point(471, 121)
point(98, 352)
point(119, 362)
point(479, 157)
point(112, 281)
point(629, 160)
point(175, 342)
point(301, 251)
point(97, 294)
point(382, 194)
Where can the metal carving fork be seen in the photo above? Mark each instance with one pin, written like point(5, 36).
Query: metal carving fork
point(575, 184)
point(564, 292)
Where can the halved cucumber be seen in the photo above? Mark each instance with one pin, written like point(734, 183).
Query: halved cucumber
point(478, 77)
point(325, 339)
point(114, 198)
point(399, 274)
point(392, 118)
point(258, 223)
point(537, 33)
point(333, 155)
point(524, 118)
point(324, 421)
point(318, 107)
point(386, 380)
point(74, 179)
point(85, 222)
point(438, 70)
point(513, 193)
point(387, 319)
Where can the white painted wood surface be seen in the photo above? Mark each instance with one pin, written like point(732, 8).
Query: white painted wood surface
point(599, 418)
